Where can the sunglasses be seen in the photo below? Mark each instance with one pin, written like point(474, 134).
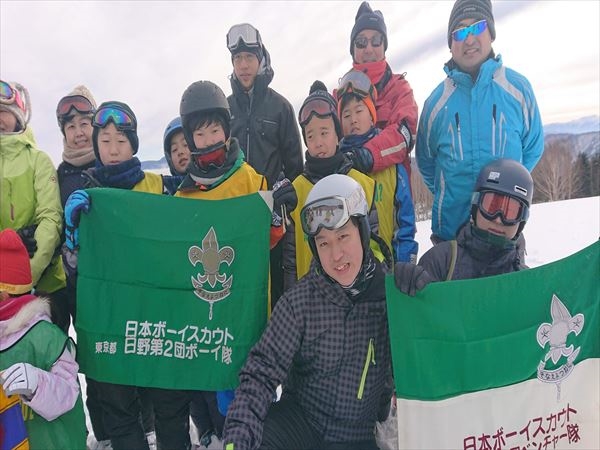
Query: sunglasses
point(78, 102)
point(121, 119)
point(319, 107)
point(10, 95)
point(243, 32)
point(475, 29)
point(356, 82)
point(362, 42)
point(493, 204)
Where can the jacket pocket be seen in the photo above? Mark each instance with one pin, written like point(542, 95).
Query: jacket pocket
point(370, 360)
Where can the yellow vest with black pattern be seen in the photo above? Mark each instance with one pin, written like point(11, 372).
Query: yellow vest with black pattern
point(303, 187)
point(151, 183)
point(385, 193)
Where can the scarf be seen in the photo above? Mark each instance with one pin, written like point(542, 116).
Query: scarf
point(124, 175)
point(317, 168)
point(357, 140)
point(362, 282)
point(375, 70)
point(12, 305)
point(77, 156)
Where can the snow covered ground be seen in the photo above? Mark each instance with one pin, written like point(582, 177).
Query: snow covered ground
point(554, 231)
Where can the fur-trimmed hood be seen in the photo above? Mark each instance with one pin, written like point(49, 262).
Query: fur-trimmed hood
point(31, 313)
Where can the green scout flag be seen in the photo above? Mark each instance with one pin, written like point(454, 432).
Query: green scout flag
point(506, 362)
point(171, 292)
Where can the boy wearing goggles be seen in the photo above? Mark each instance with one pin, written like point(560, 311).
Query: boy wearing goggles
point(488, 244)
point(480, 112)
point(356, 106)
point(30, 198)
point(321, 131)
point(322, 340)
point(395, 103)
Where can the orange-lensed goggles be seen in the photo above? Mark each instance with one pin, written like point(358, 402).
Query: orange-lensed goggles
point(77, 102)
point(510, 209)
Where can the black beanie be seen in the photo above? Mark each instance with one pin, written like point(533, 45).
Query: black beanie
point(318, 90)
point(471, 9)
point(367, 19)
point(132, 136)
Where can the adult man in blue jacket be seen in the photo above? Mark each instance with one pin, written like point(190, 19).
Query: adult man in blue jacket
point(482, 111)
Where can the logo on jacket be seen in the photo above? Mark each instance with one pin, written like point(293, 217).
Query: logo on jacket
point(210, 256)
point(556, 334)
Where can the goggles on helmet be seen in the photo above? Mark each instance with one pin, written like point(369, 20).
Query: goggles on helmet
point(510, 209)
point(317, 106)
point(213, 156)
point(244, 32)
point(78, 102)
point(10, 95)
point(358, 83)
point(121, 119)
point(329, 212)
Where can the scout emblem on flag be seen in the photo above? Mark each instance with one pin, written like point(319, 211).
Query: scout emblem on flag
point(556, 334)
point(210, 256)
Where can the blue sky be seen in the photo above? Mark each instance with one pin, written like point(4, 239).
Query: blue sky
point(147, 53)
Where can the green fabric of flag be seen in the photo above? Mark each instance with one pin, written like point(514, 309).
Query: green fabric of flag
point(172, 292)
point(469, 335)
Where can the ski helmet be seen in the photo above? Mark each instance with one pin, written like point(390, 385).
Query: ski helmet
point(331, 202)
point(173, 128)
point(508, 177)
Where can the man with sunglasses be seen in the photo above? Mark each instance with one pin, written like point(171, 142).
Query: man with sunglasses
point(487, 245)
point(262, 120)
point(396, 107)
point(481, 111)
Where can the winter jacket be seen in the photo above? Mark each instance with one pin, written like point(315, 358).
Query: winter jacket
point(70, 179)
point(464, 125)
point(393, 200)
point(265, 124)
point(29, 194)
point(476, 257)
point(397, 114)
point(54, 416)
point(332, 356)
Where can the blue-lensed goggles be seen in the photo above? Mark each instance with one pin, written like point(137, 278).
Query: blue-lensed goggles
point(121, 119)
point(475, 29)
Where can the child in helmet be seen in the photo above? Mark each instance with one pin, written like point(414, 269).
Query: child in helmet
point(487, 245)
point(356, 107)
point(37, 361)
point(322, 340)
point(176, 149)
point(321, 131)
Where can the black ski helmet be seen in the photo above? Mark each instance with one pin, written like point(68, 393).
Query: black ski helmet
point(508, 177)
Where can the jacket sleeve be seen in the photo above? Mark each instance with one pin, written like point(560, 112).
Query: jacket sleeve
point(533, 140)
point(424, 154)
point(436, 261)
point(266, 367)
point(397, 137)
point(404, 243)
point(291, 149)
point(48, 214)
point(57, 389)
point(290, 275)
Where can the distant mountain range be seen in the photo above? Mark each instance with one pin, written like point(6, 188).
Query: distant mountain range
point(583, 133)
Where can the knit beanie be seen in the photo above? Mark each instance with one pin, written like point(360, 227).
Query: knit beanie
point(242, 47)
point(471, 9)
point(22, 115)
point(318, 90)
point(131, 134)
point(15, 269)
point(367, 19)
point(77, 90)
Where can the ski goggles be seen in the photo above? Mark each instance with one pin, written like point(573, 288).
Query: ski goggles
point(362, 41)
point(356, 82)
point(121, 119)
point(244, 32)
point(510, 209)
point(10, 95)
point(330, 212)
point(78, 102)
point(214, 156)
point(316, 107)
point(475, 29)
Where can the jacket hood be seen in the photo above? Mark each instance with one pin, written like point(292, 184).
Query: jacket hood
point(263, 79)
point(12, 144)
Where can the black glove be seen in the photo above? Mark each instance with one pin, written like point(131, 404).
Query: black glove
point(284, 194)
point(410, 278)
point(362, 159)
point(27, 235)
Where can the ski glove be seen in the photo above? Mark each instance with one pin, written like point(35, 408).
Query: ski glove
point(20, 379)
point(362, 159)
point(27, 235)
point(410, 278)
point(284, 199)
point(77, 202)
